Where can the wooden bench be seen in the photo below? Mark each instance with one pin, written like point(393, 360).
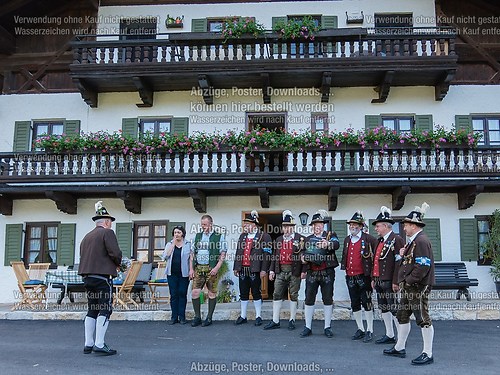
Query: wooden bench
point(449, 276)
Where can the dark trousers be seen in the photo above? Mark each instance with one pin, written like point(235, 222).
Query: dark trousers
point(99, 296)
point(414, 300)
point(249, 281)
point(360, 292)
point(178, 287)
point(386, 298)
point(323, 279)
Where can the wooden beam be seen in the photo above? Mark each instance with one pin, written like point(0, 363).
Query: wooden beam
point(7, 42)
point(333, 198)
point(145, 92)
point(89, 94)
point(6, 204)
point(206, 89)
point(467, 196)
point(131, 200)
point(264, 197)
point(441, 89)
point(199, 200)
point(266, 85)
point(326, 84)
point(12, 5)
point(384, 87)
point(65, 202)
point(398, 197)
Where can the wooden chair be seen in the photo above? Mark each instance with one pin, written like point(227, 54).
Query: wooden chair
point(160, 281)
point(31, 286)
point(123, 291)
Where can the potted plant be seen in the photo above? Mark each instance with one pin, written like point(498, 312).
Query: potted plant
point(294, 29)
point(235, 28)
point(492, 248)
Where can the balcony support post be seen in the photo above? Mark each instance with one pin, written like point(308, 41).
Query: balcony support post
point(266, 98)
point(384, 87)
point(89, 94)
point(264, 197)
point(131, 200)
point(6, 204)
point(333, 198)
point(199, 200)
point(441, 89)
point(467, 196)
point(325, 87)
point(398, 197)
point(145, 92)
point(206, 88)
point(65, 202)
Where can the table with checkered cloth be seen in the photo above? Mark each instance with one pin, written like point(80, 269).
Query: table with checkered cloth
point(64, 277)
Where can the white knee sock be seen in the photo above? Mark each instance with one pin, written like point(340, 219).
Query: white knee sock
point(89, 324)
point(244, 305)
point(258, 307)
point(293, 309)
point(101, 327)
point(309, 312)
point(276, 311)
point(328, 315)
point(389, 330)
point(428, 336)
point(359, 320)
point(369, 320)
point(403, 332)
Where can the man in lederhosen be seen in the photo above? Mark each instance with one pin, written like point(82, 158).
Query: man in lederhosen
point(285, 269)
point(251, 262)
point(100, 256)
point(385, 272)
point(415, 277)
point(208, 254)
point(319, 263)
point(357, 261)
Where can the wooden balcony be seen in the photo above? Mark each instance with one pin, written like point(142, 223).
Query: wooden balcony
point(398, 171)
point(335, 58)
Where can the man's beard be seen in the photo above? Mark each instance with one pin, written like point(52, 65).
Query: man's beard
point(355, 231)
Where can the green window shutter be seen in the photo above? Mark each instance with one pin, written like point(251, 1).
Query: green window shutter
point(329, 22)
point(180, 125)
point(199, 25)
point(340, 227)
point(372, 121)
point(72, 127)
point(130, 127)
point(13, 242)
point(66, 244)
point(124, 236)
point(423, 122)
point(371, 228)
point(433, 231)
point(22, 133)
point(463, 122)
point(170, 228)
point(469, 248)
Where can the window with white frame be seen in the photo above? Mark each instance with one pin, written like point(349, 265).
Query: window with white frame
point(155, 126)
point(398, 124)
point(489, 127)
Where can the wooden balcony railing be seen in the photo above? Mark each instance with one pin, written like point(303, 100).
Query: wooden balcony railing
point(318, 164)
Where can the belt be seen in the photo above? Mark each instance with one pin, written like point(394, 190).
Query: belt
point(102, 277)
point(203, 268)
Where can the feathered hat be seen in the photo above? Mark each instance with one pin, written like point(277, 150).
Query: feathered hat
point(319, 217)
point(288, 218)
point(384, 216)
point(357, 218)
point(417, 215)
point(101, 212)
point(252, 217)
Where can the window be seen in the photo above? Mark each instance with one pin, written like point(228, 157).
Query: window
point(47, 128)
point(399, 124)
point(489, 127)
point(483, 233)
point(155, 126)
point(214, 25)
point(41, 243)
point(393, 20)
point(267, 120)
point(135, 28)
point(319, 122)
point(149, 241)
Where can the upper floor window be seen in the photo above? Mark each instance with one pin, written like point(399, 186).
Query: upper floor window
point(138, 28)
point(489, 127)
point(41, 243)
point(319, 122)
point(41, 128)
point(155, 126)
point(215, 24)
point(398, 124)
point(393, 20)
point(266, 120)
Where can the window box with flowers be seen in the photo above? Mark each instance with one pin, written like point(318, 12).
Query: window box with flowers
point(236, 28)
point(293, 29)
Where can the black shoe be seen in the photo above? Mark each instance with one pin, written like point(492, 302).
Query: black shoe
point(368, 336)
point(173, 321)
point(386, 340)
point(272, 325)
point(258, 321)
point(422, 359)
point(196, 322)
point(291, 325)
point(240, 320)
point(306, 332)
point(207, 322)
point(395, 353)
point(182, 321)
point(358, 335)
point(105, 350)
point(328, 332)
point(87, 349)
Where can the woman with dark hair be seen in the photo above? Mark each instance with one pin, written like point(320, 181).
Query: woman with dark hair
point(177, 253)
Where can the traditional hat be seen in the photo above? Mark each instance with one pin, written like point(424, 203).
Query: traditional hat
point(288, 218)
point(101, 212)
point(384, 216)
point(417, 215)
point(252, 217)
point(357, 218)
point(319, 217)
